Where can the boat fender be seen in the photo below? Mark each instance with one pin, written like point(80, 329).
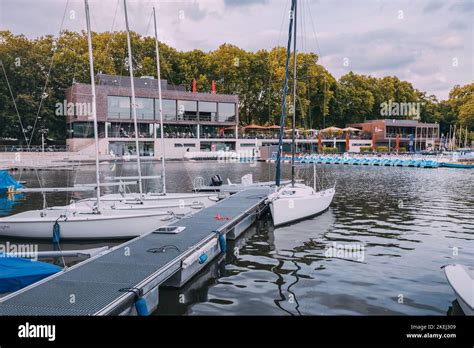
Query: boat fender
point(222, 242)
point(56, 233)
point(141, 307)
point(140, 303)
point(202, 258)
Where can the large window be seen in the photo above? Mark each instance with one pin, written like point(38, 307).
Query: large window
point(127, 130)
point(86, 130)
point(119, 107)
point(144, 108)
point(169, 109)
point(207, 111)
point(226, 112)
point(179, 131)
point(187, 110)
point(207, 132)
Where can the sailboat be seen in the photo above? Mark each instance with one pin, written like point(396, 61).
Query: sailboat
point(295, 201)
point(182, 202)
point(92, 219)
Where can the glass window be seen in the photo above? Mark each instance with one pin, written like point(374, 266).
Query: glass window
point(226, 112)
point(169, 109)
point(127, 130)
point(144, 108)
point(86, 130)
point(121, 130)
point(178, 131)
point(187, 110)
point(207, 111)
point(215, 132)
point(119, 107)
point(145, 130)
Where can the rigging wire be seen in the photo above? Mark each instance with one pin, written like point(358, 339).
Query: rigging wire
point(48, 75)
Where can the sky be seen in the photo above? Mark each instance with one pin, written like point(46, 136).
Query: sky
point(429, 43)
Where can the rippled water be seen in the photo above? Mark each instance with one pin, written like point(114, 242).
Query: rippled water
point(408, 221)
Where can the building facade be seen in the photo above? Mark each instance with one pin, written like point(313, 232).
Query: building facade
point(412, 134)
point(200, 122)
point(192, 121)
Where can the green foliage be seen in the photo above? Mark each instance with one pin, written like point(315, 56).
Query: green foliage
point(402, 149)
point(365, 149)
point(382, 148)
point(257, 77)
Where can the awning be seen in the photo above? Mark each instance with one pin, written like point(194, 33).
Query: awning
point(351, 129)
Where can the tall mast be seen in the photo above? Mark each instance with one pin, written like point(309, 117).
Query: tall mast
point(94, 108)
point(160, 104)
point(293, 126)
point(283, 108)
point(465, 139)
point(134, 105)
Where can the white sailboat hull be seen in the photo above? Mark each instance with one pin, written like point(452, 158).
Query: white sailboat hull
point(123, 218)
point(292, 204)
point(106, 225)
point(179, 203)
point(461, 279)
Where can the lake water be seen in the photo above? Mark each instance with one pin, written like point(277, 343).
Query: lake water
point(400, 224)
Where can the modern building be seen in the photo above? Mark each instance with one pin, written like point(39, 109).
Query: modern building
point(192, 121)
point(200, 122)
point(419, 136)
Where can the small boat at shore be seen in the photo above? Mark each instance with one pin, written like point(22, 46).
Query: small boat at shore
point(461, 279)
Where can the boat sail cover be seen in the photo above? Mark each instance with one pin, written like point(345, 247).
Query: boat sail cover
point(16, 272)
point(6, 181)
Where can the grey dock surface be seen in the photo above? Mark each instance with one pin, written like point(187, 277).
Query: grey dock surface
point(95, 286)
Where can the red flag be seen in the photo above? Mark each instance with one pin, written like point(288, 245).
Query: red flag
point(397, 143)
point(347, 142)
point(194, 85)
point(320, 145)
point(213, 87)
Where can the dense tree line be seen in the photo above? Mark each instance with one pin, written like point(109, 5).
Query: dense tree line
point(39, 70)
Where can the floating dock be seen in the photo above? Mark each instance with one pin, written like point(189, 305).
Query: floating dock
point(126, 279)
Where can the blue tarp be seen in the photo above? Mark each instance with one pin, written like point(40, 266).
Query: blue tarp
point(7, 181)
point(16, 273)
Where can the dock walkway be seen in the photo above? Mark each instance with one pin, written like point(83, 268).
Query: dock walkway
point(101, 285)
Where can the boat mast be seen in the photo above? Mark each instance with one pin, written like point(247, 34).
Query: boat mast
point(293, 142)
point(283, 108)
point(134, 105)
point(94, 108)
point(160, 103)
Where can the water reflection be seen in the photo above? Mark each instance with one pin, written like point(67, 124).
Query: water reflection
point(8, 202)
point(410, 221)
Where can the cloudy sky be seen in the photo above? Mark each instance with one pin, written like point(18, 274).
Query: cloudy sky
point(427, 42)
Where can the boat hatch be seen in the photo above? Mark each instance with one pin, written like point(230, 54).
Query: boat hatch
point(170, 229)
